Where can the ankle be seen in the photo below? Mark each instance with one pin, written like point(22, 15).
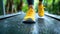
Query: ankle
point(30, 6)
point(40, 2)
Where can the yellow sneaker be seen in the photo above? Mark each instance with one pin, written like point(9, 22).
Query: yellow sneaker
point(41, 10)
point(30, 16)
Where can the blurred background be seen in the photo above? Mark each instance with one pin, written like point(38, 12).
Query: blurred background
point(9, 7)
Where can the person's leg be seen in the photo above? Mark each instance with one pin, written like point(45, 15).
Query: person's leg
point(30, 2)
point(30, 15)
point(40, 9)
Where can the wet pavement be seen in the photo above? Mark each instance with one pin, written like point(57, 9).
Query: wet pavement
point(14, 25)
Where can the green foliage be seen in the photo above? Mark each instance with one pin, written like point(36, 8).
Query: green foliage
point(25, 8)
point(1, 7)
point(47, 3)
point(52, 6)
